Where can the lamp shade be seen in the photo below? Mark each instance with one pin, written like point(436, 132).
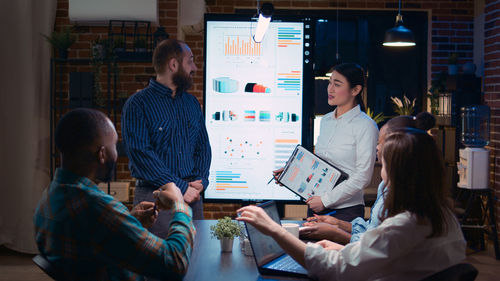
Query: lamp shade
point(399, 36)
point(265, 15)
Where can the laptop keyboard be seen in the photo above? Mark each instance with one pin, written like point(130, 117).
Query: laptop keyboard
point(286, 264)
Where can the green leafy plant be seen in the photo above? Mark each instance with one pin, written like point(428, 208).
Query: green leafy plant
point(61, 40)
point(403, 107)
point(438, 86)
point(226, 228)
point(377, 118)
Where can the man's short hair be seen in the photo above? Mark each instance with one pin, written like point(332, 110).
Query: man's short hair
point(165, 51)
point(80, 128)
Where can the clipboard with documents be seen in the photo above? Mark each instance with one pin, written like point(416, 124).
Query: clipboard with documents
point(307, 175)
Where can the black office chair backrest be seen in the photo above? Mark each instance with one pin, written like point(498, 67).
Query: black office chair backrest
point(458, 272)
point(49, 269)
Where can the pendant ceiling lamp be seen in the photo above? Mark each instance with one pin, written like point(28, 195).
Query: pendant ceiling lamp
point(399, 36)
point(265, 14)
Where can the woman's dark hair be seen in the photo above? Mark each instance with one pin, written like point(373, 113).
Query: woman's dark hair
point(355, 75)
point(423, 121)
point(414, 168)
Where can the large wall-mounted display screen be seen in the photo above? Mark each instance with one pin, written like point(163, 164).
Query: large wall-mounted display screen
point(253, 106)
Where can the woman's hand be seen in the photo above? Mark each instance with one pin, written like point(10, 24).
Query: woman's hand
point(259, 219)
point(315, 204)
point(324, 219)
point(276, 175)
point(329, 245)
point(321, 231)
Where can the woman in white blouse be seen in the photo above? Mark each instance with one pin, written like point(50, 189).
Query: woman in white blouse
point(418, 236)
point(347, 139)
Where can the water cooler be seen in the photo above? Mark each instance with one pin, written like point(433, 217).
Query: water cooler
point(474, 159)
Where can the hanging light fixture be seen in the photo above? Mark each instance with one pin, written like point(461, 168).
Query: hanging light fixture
point(265, 14)
point(399, 36)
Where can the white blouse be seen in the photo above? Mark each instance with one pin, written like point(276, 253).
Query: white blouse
point(396, 250)
point(349, 143)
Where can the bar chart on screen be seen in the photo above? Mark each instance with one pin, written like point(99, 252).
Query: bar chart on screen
point(235, 45)
point(229, 180)
point(283, 148)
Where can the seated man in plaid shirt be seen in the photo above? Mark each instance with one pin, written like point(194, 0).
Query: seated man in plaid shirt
point(87, 234)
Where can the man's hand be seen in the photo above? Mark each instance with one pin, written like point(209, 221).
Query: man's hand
point(325, 219)
point(166, 195)
point(315, 204)
point(145, 213)
point(191, 195)
point(198, 185)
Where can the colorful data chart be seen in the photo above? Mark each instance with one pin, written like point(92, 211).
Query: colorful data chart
point(286, 117)
point(288, 36)
point(226, 180)
point(225, 85)
point(250, 115)
point(283, 148)
point(256, 88)
point(265, 116)
point(289, 81)
point(248, 147)
point(225, 115)
point(236, 46)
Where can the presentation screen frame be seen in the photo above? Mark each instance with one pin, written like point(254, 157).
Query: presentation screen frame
point(307, 117)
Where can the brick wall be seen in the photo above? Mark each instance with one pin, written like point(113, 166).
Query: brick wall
point(452, 31)
point(492, 89)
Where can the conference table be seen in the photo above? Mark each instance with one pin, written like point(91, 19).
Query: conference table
point(209, 263)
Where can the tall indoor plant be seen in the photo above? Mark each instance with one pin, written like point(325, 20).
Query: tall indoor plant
point(61, 41)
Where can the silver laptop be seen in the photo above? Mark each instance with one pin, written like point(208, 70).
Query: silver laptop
point(269, 257)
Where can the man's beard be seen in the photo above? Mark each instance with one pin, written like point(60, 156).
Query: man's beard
point(109, 172)
point(182, 80)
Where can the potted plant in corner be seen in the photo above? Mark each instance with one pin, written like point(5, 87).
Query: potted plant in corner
point(225, 230)
point(452, 64)
point(61, 41)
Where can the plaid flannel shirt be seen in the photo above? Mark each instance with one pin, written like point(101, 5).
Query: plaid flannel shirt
point(89, 235)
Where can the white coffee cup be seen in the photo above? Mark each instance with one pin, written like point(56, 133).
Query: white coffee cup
point(293, 228)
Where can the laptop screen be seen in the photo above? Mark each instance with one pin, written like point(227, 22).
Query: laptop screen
point(265, 249)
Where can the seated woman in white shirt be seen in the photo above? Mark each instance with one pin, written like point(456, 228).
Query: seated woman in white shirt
point(340, 231)
point(418, 236)
point(347, 139)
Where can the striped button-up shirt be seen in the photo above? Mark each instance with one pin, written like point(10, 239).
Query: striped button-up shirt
point(89, 235)
point(165, 137)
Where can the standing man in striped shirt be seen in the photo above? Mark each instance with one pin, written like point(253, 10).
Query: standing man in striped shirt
point(164, 132)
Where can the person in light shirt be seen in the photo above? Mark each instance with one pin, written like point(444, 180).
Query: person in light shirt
point(333, 229)
point(347, 139)
point(418, 236)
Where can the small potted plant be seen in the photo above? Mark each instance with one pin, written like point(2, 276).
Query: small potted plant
point(140, 44)
point(61, 41)
point(403, 106)
point(378, 118)
point(452, 64)
point(225, 230)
